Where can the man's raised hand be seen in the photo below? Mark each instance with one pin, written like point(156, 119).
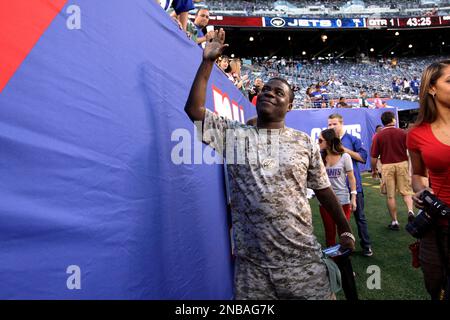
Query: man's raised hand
point(214, 45)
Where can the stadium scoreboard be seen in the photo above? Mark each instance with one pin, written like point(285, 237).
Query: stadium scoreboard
point(410, 22)
point(279, 22)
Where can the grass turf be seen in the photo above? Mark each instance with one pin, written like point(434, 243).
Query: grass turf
point(399, 280)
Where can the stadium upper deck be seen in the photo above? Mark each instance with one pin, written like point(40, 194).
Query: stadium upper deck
point(337, 9)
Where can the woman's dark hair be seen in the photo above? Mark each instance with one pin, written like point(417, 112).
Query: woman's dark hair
point(428, 110)
point(334, 144)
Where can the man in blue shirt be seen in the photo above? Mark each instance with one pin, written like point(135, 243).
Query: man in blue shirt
point(415, 86)
point(353, 146)
point(316, 97)
point(181, 7)
point(195, 29)
point(395, 86)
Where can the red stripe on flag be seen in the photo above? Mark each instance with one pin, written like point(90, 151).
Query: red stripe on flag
point(22, 23)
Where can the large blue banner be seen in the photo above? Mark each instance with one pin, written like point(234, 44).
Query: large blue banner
point(360, 123)
point(92, 204)
point(98, 201)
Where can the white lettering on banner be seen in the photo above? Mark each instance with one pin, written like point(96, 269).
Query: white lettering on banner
point(353, 129)
point(222, 104)
point(235, 110)
point(74, 280)
point(226, 108)
point(241, 110)
point(74, 20)
point(315, 133)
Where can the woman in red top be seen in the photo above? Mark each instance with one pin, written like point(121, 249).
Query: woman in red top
point(429, 147)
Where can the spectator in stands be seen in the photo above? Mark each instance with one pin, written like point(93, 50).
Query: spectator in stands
point(308, 101)
point(353, 146)
point(429, 147)
point(324, 90)
point(238, 80)
point(390, 146)
point(415, 84)
point(223, 62)
point(323, 86)
point(377, 102)
point(433, 12)
point(255, 90)
point(181, 9)
point(395, 86)
point(279, 260)
point(406, 86)
point(195, 29)
point(339, 166)
point(316, 97)
point(363, 99)
point(228, 72)
point(342, 103)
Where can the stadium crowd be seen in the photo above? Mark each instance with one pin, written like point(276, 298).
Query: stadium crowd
point(326, 81)
point(318, 83)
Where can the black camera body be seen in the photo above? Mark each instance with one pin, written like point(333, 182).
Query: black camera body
point(433, 208)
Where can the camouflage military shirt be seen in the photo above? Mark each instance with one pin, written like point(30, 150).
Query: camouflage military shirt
point(270, 212)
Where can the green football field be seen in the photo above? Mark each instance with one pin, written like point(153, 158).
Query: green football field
point(398, 279)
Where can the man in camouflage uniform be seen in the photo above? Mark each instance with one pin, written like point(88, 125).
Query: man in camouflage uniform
point(270, 167)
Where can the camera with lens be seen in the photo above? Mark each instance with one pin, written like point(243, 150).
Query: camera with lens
point(433, 208)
